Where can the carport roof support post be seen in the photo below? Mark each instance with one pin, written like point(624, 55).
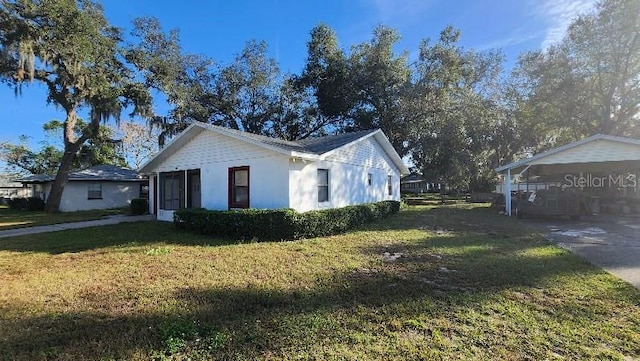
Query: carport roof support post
point(507, 192)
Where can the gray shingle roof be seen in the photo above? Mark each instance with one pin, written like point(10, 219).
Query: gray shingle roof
point(314, 145)
point(103, 172)
point(35, 178)
point(320, 145)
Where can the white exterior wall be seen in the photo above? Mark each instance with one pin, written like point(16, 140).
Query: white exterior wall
point(348, 171)
point(114, 195)
point(214, 154)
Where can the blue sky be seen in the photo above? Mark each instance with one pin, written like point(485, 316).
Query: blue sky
point(220, 28)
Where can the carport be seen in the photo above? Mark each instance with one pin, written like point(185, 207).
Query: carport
point(602, 169)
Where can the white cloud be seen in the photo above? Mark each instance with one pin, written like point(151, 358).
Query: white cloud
point(517, 37)
point(559, 14)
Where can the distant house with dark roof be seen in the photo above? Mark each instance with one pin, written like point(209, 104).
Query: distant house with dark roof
point(98, 187)
point(415, 183)
point(219, 168)
point(10, 189)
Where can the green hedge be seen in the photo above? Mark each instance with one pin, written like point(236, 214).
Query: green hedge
point(29, 204)
point(280, 224)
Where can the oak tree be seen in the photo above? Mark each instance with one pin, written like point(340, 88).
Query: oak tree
point(70, 48)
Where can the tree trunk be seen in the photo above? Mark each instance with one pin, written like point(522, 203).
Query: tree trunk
point(71, 147)
point(55, 195)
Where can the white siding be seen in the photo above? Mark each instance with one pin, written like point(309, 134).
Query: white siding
point(214, 154)
point(114, 195)
point(597, 151)
point(348, 171)
point(365, 153)
point(212, 148)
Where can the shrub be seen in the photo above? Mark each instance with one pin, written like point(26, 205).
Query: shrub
point(29, 204)
point(17, 203)
point(139, 206)
point(280, 224)
point(242, 224)
point(34, 204)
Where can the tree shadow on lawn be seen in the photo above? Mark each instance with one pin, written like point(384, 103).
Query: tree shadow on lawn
point(436, 278)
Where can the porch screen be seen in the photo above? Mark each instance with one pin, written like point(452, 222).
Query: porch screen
point(172, 190)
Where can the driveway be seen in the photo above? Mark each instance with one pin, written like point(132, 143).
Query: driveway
point(612, 243)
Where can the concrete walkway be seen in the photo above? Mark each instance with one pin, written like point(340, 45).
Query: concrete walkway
point(74, 225)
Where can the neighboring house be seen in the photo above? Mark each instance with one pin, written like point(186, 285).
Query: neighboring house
point(10, 189)
point(219, 168)
point(98, 187)
point(414, 183)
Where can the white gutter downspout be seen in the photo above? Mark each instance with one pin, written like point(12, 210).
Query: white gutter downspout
point(507, 193)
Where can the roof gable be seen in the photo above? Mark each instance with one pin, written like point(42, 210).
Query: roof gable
point(597, 148)
point(310, 148)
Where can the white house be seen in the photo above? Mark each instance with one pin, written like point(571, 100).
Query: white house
point(98, 187)
point(219, 168)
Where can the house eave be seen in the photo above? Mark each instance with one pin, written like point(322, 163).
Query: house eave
point(514, 166)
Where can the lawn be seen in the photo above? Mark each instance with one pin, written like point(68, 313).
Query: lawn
point(10, 218)
point(449, 282)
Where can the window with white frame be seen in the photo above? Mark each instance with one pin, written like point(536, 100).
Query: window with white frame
point(94, 191)
point(323, 185)
point(390, 185)
point(369, 179)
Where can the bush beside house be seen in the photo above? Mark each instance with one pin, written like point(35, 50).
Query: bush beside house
point(281, 224)
point(139, 206)
point(29, 204)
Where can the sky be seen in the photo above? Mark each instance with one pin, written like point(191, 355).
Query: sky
point(220, 29)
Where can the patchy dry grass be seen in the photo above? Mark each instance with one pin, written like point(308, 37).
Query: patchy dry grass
point(453, 282)
point(11, 218)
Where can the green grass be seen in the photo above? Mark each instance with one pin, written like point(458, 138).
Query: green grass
point(468, 285)
point(11, 218)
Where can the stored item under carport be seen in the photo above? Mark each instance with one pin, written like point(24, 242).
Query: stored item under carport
point(553, 202)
